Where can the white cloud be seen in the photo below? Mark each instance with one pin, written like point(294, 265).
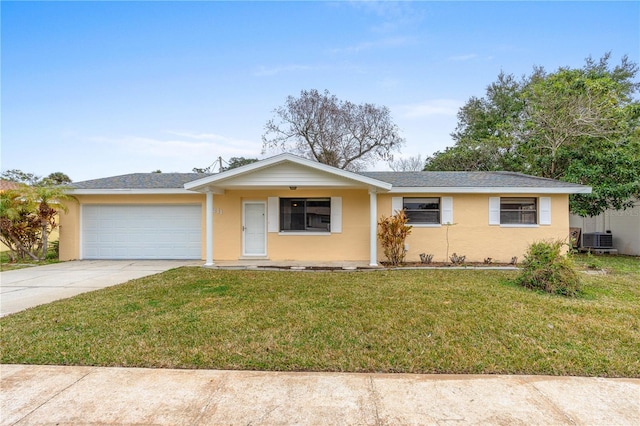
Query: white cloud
point(447, 107)
point(392, 16)
point(211, 137)
point(462, 58)
point(386, 43)
point(264, 71)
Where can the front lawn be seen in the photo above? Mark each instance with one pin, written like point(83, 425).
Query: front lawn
point(7, 265)
point(430, 321)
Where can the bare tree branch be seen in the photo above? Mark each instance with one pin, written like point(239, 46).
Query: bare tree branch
point(338, 133)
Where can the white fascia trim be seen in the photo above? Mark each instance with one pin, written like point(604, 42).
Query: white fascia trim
point(486, 190)
point(268, 162)
point(157, 191)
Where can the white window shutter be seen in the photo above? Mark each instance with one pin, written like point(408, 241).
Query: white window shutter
point(446, 208)
point(273, 222)
point(494, 210)
point(396, 204)
point(336, 215)
point(545, 210)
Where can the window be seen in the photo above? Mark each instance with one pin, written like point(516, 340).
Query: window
point(518, 210)
point(305, 214)
point(422, 210)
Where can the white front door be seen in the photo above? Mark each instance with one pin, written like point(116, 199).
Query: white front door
point(254, 228)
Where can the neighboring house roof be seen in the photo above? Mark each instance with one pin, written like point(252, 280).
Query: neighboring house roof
point(474, 182)
point(6, 185)
point(287, 165)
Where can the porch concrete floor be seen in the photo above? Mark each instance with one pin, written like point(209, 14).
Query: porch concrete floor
point(289, 264)
point(346, 265)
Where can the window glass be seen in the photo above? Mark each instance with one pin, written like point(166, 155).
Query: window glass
point(305, 214)
point(518, 210)
point(422, 210)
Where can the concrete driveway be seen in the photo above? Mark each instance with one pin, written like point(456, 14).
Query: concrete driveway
point(25, 288)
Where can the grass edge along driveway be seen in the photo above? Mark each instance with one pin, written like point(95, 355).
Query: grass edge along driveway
point(418, 321)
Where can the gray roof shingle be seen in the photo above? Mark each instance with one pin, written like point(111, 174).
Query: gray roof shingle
point(397, 179)
point(141, 181)
point(467, 179)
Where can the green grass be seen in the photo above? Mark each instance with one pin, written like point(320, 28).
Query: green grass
point(431, 321)
point(6, 265)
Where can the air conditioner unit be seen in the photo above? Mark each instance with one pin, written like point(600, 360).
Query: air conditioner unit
point(598, 240)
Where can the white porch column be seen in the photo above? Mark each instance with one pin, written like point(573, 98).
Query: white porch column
point(373, 221)
point(209, 229)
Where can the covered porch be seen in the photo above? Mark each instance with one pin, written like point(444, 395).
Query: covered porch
point(246, 214)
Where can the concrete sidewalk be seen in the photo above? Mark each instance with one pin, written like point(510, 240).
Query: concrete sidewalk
point(93, 395)
point(28, 287)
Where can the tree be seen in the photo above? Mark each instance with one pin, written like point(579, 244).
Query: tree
point(339, 133)
point(27, 217)
point(18, 225)
point(576, 125)
point(15, 175)
point(233, 163)
point(410, 164)
point(56, 178)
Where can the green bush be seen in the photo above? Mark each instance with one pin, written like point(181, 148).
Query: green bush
point(546, 268)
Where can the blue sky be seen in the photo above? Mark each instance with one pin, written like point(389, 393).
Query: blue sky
point(96, 89)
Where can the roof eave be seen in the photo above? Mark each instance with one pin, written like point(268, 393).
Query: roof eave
point(131, 191)
point(490, 190)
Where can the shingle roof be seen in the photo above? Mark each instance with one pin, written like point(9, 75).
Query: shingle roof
point(397, 179)
point(467, 179)
point(6, 185)
point(141, 181)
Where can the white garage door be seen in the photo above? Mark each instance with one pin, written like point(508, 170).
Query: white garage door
point(141, 232)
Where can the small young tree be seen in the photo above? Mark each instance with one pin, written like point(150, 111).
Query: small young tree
point(49, 201)
point(27, 217)
point(18, 225)
point(393, 232)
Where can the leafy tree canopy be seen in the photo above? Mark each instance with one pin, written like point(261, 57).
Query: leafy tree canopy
point(235, 162)
point(577, 125)
point(219, 164)
point(339, 133)
point(56, 178)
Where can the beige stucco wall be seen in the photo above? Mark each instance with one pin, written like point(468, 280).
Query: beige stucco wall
point(351, 244)
point(471, 235)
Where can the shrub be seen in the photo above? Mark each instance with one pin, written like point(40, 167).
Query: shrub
point(393, 232)
point(545, 268)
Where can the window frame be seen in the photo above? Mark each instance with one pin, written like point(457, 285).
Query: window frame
point(520, 211)
point(308, 230)
point(422, 223)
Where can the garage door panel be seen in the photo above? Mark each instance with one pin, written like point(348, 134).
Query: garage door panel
point(141, 231)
